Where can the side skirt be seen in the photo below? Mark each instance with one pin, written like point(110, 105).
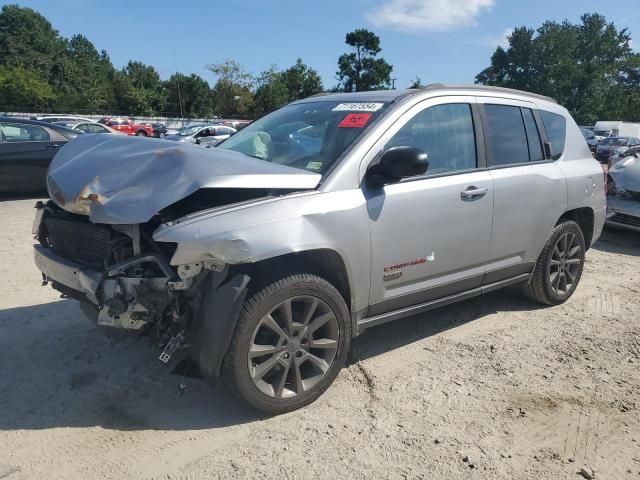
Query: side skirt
point(364, 323)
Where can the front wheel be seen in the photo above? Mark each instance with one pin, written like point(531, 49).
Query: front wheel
point(290, 342)
point(559, 267)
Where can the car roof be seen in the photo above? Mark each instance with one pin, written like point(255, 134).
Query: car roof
point(28, 121)
point(393, 95)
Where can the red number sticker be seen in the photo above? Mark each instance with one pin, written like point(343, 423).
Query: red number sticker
point(355, 120)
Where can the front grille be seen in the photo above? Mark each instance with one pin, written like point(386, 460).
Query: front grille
point(75, 238)
point(626, 220)
point(602, 157)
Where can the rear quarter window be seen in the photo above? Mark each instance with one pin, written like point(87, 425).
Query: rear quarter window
point(556, 127)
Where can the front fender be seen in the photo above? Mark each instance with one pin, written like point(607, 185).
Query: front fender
point(335, 221)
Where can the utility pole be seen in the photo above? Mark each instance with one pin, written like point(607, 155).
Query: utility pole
point(175, 66)
point(393, 83)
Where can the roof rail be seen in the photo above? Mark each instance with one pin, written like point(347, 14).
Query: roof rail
point(486, 88)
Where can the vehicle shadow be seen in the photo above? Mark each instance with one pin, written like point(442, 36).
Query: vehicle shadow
point(9, 197)
point(398, 334)
point(61, 371)
point(619, 241)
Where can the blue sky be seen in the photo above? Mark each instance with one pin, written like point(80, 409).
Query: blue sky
point(437, 40)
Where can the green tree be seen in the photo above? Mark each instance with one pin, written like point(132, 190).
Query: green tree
point(195, 95)
point(28, 39)
point(301, 81)
point(584, 66)
point(417, 83)
point(232, 93)
point(83, 78)
point(139, 90)
point(23, 89)
point(271, 91)
point(361, 70)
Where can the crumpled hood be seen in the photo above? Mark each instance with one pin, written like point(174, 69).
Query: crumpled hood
point(120, 180)
point(626, 174)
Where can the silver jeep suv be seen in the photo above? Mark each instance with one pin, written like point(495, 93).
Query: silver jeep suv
point(263, 258)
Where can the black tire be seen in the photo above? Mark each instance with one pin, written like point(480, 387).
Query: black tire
point(141, 133)
point(260, 305)
point(542, 286)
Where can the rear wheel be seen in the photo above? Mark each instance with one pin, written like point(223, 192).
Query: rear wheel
point(559, 267)
point(290, 342)
point(141, 133)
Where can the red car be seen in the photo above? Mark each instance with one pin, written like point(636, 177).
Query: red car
point(124, 125)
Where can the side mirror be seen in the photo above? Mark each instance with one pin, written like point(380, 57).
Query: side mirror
point(398, 163)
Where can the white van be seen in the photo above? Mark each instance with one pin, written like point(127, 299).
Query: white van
point(604, 130)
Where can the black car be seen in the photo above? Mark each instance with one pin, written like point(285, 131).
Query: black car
point(617, 147)
point(159, 130)
point(26, 149)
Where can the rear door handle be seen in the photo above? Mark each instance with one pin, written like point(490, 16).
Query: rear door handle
point(473, 192)
point(55, 145)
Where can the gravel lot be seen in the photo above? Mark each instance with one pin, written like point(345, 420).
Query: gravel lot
point(494, 387)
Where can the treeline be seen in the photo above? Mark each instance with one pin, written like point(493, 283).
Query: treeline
point(43, 71)
point(589, 67)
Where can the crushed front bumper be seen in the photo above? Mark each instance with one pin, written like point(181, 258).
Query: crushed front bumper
point(67, 273)
point(623, 212)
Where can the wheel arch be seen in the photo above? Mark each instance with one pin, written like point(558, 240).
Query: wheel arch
point(585, 218)
point(324, 262)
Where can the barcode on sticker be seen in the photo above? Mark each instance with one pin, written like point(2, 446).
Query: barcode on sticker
point(358, 107)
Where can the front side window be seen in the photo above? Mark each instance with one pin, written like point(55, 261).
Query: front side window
point(309, 136)
point(556, 127)
point(18, 132)
point(445, 133)
point(506, 135)
point(83, 127)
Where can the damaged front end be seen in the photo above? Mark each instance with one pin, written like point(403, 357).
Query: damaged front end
point(121, 277)
point(95, 237)
point(623, 200)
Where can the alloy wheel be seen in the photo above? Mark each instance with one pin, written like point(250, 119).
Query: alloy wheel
point(293, 347)
point(564, 265)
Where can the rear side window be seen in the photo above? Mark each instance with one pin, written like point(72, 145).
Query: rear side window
point(506, 136)
point(445, 133)
point(556, 127)
point(16, 133)
point(533, 136)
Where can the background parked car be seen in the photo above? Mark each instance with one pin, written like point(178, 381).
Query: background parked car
point(125, 125)
point(208, 135)
point(617, 147)
point(61, 118)
point(159, 130)
point(89, 127)
point(590, 138)
point(26, 149)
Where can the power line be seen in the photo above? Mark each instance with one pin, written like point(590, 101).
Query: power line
point(175, 66)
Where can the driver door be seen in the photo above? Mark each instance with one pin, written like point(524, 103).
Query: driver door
point(430, 234)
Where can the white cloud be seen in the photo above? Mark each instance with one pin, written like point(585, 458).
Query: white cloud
point(428, 15)
point(502, 40)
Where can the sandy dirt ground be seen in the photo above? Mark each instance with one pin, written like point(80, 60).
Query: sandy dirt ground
point(492, 388)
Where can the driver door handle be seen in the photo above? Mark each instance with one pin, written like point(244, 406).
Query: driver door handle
point(473, 192)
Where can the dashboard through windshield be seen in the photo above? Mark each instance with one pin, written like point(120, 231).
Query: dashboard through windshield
point(310, 136)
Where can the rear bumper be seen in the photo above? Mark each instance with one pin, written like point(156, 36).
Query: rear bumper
point(65, 272)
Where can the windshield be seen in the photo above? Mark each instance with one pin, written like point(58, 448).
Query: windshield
point(614, 141)
point(309, 136)
point(188, 131)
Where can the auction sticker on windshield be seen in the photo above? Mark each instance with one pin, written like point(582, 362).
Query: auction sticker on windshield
point(358, 107)
point(355, 120)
